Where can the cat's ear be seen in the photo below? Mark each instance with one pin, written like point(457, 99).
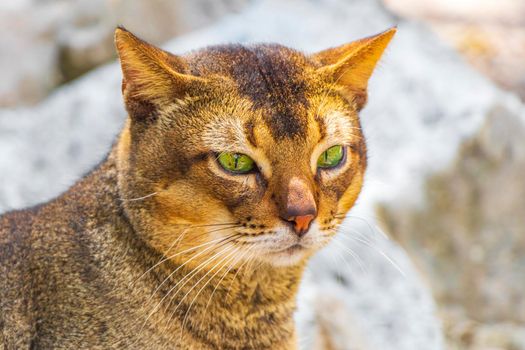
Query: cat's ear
point(350, 66)
point(151, 75)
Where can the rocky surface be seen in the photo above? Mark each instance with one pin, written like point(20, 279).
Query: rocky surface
point(56, 41)
point(469, 236)
point(490, 34)
point(433, 125)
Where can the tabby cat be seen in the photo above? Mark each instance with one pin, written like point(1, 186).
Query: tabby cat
point(235, 165)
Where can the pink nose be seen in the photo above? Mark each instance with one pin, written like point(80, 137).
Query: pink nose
point(301, 223)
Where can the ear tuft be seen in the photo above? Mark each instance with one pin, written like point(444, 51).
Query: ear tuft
point(350, 66)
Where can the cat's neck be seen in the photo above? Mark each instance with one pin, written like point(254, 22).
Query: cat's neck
point(253, 306)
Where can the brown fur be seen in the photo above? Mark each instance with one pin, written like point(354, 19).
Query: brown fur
point(105, 265)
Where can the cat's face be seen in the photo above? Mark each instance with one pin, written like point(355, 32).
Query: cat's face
point(243, 152)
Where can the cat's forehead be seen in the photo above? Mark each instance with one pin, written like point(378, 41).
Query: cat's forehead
point(275, 79)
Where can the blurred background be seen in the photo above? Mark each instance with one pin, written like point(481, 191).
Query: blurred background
point(433, 254)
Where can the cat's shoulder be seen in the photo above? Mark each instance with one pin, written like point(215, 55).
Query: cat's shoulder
point(15, 228)
point(16, 327)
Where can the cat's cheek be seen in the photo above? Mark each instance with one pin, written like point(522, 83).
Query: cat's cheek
point(350, 195)
point(337, 196)
point(241, 194)
point(180, 202)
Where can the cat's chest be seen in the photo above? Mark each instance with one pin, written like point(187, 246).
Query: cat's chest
point(209, 319)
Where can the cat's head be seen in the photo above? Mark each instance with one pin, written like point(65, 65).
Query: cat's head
point(242, 152)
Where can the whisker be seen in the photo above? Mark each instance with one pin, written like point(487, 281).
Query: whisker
point(226, 273)
point(220, 281)
point(374, 229)
point(229, 258)
point(194, 271)
point(378, 250)
point(176, 241)
point(237, 272)
point(351, 252)
point(139, 198)
point(180, 253)
point(192, 274)
point(187, 261)
point(208, 225)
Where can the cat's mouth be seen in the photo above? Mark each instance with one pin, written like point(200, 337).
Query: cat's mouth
point(294, 248)
point(283, 247)
point(290, 255)
point(293, 251)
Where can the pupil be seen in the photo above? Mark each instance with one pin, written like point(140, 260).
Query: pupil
point(236, 160)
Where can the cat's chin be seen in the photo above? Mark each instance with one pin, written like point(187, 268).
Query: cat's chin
point(290, 256)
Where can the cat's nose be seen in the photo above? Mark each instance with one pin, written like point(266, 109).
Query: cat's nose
point(300, 208)
point(301, 223)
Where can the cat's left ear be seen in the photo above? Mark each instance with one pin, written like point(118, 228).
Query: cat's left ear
point(350, 66)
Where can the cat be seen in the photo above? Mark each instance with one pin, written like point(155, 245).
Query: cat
point(235, 165)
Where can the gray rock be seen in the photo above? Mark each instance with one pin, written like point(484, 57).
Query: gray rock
point(52, 42)
point(469, 236)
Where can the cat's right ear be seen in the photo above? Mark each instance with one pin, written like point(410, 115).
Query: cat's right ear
point(151, 76)
point(350, 66)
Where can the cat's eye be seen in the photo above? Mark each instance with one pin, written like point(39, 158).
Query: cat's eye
point(331, 158)
point(237, 163)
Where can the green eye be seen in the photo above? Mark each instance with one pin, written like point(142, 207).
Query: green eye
point(236, 162)
point(331, 158)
